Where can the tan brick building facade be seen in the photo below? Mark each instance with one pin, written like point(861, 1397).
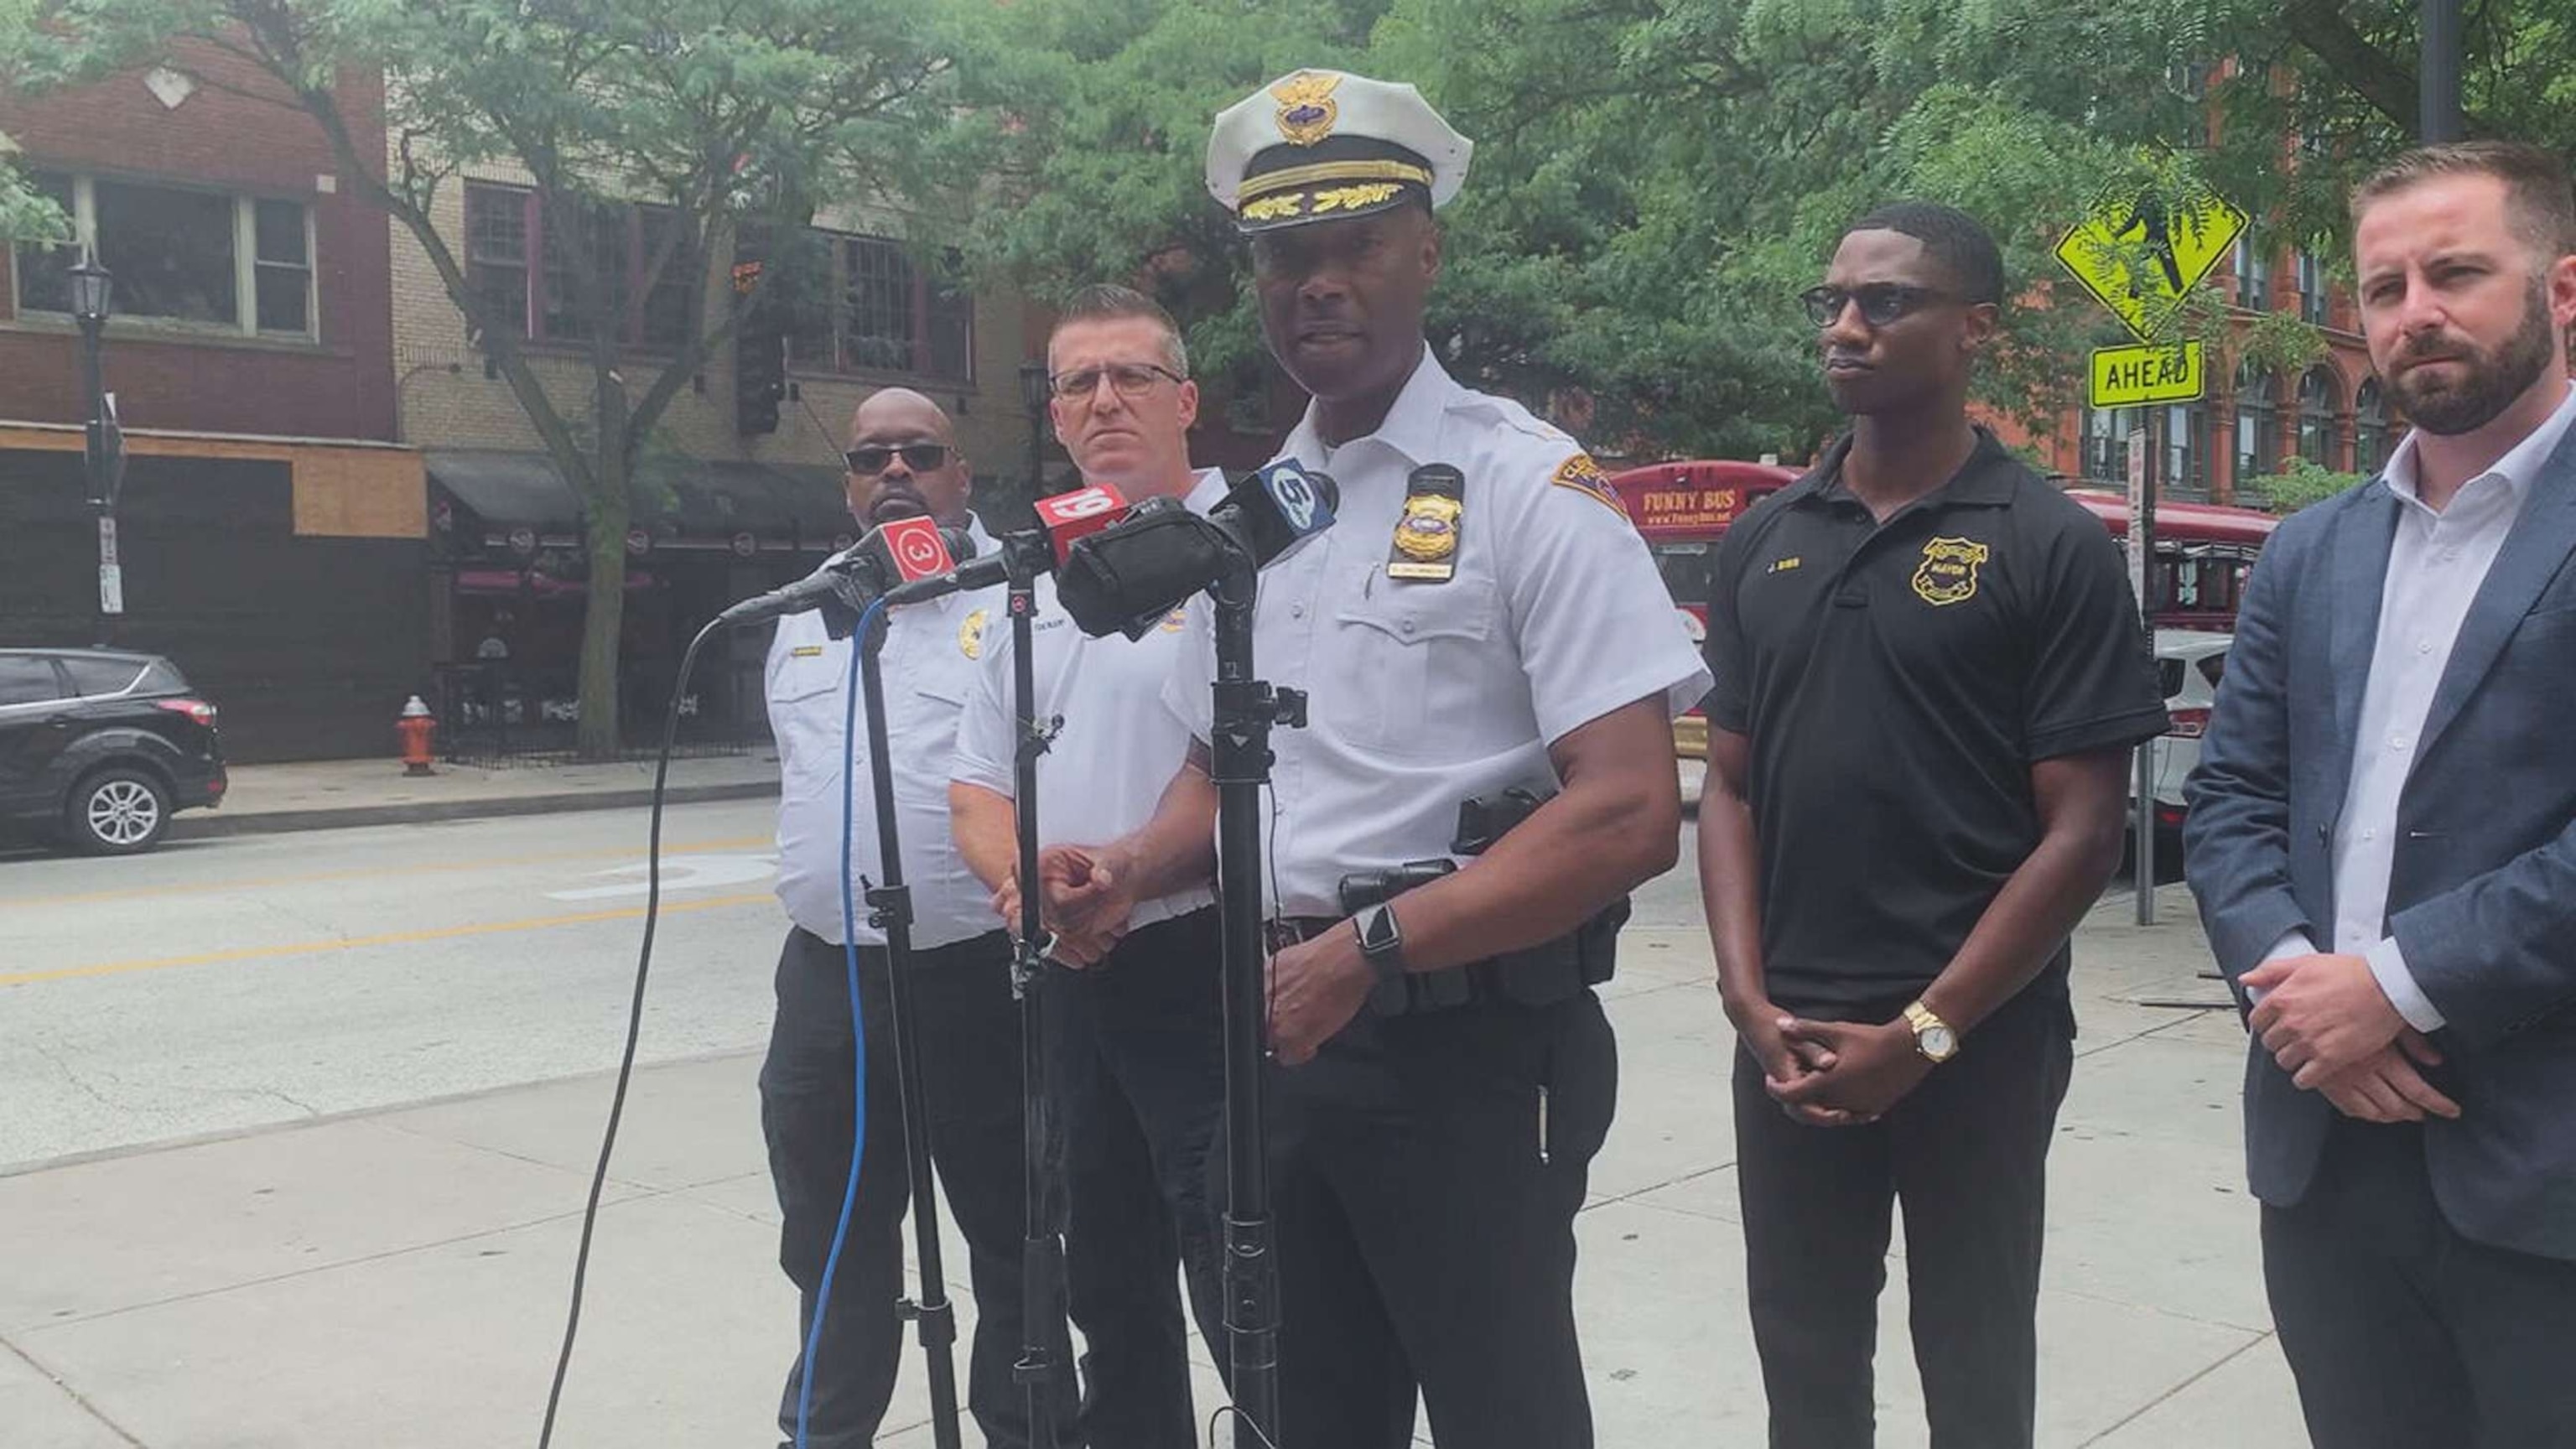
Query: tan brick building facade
point(444, 399)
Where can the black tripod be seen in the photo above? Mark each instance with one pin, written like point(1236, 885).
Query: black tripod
point(1239, 765)
point(890, 910)
point(1041, 1366)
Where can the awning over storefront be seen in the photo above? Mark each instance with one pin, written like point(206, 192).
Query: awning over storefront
point(710, 501)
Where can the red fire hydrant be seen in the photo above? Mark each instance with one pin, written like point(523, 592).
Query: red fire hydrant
point(417, 728)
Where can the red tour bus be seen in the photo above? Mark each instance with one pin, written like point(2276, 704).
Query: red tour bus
point(2203, 550)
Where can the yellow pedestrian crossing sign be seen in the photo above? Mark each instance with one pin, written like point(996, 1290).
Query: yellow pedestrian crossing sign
point(2141, 258)
point(2142, 373)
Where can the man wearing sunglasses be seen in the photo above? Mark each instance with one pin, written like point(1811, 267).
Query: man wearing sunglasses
point(1930, 672)
point(903, 462)
point(1138, 1050)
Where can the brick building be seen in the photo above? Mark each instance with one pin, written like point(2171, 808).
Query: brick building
point(272, 531)
point(727, 505)
point(2333, 414)
point(724, 506)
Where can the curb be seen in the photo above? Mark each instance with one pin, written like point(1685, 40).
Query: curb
point(215, 824)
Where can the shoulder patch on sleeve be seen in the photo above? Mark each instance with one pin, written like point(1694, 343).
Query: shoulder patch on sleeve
point(1584, 476)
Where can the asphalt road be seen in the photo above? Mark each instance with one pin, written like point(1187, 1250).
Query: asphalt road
point(238, 982)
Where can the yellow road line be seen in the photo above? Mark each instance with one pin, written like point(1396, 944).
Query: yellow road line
point(389, 938)
point(132, 893)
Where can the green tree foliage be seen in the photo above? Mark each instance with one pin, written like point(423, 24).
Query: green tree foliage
point(2300, 483)
point(23, 212)
point(731, 114)
point(1654, 180)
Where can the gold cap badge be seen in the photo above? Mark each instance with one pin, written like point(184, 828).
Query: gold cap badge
point(1307, 109)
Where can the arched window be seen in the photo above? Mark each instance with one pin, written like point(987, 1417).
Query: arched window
point(2258, 423)
point(2318, 395)
point(2369, 428)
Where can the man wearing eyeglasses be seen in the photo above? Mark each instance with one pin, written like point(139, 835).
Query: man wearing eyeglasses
point(1138, 1050)
point(1930, 672)
point(903, 462)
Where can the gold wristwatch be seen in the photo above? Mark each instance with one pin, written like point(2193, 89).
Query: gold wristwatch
point(1932, 1036)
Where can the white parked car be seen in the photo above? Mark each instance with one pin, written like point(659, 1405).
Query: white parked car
point(2190, 662)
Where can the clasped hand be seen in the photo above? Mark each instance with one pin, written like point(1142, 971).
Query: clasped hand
point(1832, 1073)
point(1083, 902)
point(2326, 1021)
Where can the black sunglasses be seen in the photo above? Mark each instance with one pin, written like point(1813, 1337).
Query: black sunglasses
point(869, 459)
point(1880, 302)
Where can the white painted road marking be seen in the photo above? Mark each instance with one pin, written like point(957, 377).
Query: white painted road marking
point(679, 873)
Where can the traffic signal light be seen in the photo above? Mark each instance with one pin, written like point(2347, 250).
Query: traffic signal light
point(759, 375)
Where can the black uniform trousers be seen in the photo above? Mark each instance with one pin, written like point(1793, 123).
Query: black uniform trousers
point(2400, 1331)
point(1967, 1153)
point(1139, 1053)
point(1426, 1170)
point(967, 1023)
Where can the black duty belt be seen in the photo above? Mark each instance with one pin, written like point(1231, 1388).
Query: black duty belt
point(1542, 975)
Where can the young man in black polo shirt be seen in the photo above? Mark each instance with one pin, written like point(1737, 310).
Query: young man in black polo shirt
point(1929, 672)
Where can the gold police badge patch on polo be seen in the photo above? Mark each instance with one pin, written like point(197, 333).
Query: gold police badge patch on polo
point(970, 635)
point(1948, 573)
point(1307, 109)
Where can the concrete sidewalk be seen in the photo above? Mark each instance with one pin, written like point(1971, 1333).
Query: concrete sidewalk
point(398, 1279)
point(326, 794)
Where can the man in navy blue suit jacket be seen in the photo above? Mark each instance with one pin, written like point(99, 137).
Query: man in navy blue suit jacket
point(2382, 837)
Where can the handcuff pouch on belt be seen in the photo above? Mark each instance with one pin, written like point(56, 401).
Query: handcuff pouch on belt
point(1541, 975)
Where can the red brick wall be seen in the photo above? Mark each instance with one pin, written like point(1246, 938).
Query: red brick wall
point(341, 386)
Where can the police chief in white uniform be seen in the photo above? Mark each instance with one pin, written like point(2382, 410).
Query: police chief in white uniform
point(903, 461)
point(1458, 633)
point(1137, 1052)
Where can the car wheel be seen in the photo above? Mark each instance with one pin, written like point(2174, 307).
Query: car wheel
point(116, 812)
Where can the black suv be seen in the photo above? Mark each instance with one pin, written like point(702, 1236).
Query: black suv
point(99, 746)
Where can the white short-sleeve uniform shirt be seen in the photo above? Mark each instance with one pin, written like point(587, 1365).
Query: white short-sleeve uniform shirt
point(927, 673)
point(1424, 694)
point(1118, 746)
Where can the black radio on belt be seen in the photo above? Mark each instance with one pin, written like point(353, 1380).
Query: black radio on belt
point(1539, 975)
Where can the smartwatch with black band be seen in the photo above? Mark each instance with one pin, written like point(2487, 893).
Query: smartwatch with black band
point(1380, 941)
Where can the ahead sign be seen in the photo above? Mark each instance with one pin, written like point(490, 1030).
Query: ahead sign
point(2127, 377)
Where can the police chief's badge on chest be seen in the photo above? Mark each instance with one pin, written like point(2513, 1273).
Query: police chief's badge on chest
point(970, 635)
point(1426, 537)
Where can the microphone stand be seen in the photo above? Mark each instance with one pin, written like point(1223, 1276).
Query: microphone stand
point(1042, 1282)
point(890, 910)
point(1240, 759)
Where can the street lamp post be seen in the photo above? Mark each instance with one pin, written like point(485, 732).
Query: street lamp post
point(103, 442)
point(2439, 87)
point(1033, 394)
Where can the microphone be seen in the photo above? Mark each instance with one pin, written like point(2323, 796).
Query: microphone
point(1125, 578)
point(891, 554)
point(1272, 511)
point(1063, 521)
